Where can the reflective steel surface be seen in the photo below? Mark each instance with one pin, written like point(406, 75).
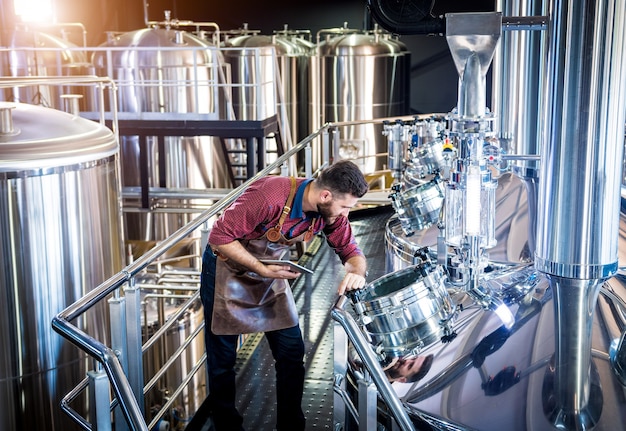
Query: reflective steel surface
point(489, 378)
point(60, 234)
point(166, 71)
point(537, 345)
point(359, 76)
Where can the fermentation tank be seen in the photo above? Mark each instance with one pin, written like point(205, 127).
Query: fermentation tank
point(269, 75)
point(295, 82)
point(538, 340)
point(163, 73)
point(359, 75)
point(55, 168)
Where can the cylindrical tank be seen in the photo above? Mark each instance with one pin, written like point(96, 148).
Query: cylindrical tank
point(269, 74)
point(296, 100)
point(60, 235)
point(359, 75)
point(166, 71)
point(518, 86)
point(33, 53)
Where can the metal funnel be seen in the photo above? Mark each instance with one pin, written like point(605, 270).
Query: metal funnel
point(472, 38)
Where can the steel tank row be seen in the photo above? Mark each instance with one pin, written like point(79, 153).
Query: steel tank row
point(347, 75)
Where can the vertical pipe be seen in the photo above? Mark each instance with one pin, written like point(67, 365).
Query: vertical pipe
point(579, 195)
point(519, 70)
point(117, 311)
point(582, 141)
point(519, 67)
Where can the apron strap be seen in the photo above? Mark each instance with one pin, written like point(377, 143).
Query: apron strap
point(274, 234)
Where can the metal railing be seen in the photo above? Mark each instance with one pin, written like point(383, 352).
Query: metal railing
point(118, 367)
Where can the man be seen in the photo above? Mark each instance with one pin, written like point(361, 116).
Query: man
point(409, 369)
point(241, 294)
point(406, 369)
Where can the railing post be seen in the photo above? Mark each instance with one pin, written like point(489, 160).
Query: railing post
point(368, 407)
point(335, 140)
point(325, 146)
point(134, 342)
point(308, 161)
point(99, 399)
point(119, 345)
point(340, 367)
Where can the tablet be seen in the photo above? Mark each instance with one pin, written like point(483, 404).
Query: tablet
point(292, 265)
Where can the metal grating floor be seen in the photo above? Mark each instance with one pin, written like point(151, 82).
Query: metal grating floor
point(315, 294)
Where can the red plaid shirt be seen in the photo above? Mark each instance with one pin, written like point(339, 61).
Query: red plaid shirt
point(259, 207)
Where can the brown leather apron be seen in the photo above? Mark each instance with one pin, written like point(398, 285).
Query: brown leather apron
point(244, 301)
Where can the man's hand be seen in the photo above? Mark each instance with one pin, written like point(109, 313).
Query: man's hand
point(237, 252)
point(351, 282)
point(278, 271)
point(355, 275)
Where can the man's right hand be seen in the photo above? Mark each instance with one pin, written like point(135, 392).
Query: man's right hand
point(278, 271)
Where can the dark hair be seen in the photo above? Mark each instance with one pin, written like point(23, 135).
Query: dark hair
point(393, 372)
point(343, 177)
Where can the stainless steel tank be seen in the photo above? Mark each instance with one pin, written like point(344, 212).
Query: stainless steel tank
point(164, 73)
point(34, 53)
point(270, 76)
point(298, 77)
point(60, 234)
point(359, 75)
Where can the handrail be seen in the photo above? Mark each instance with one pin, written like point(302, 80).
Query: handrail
point(365, 352)
point(61, 323)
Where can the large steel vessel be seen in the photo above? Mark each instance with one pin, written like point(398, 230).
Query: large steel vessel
point(359, 75)
point(538, 343)
point(270, 76)
point(60, 234)
point(166, 73)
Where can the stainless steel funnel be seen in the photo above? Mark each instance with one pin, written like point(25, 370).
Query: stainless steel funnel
point(472, 38)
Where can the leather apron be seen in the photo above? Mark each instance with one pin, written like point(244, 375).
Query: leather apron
point(244, 301)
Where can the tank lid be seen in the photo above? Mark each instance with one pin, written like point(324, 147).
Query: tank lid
point(362, 44)
point(156, 37)
point(34, 137)
point(282, 45)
